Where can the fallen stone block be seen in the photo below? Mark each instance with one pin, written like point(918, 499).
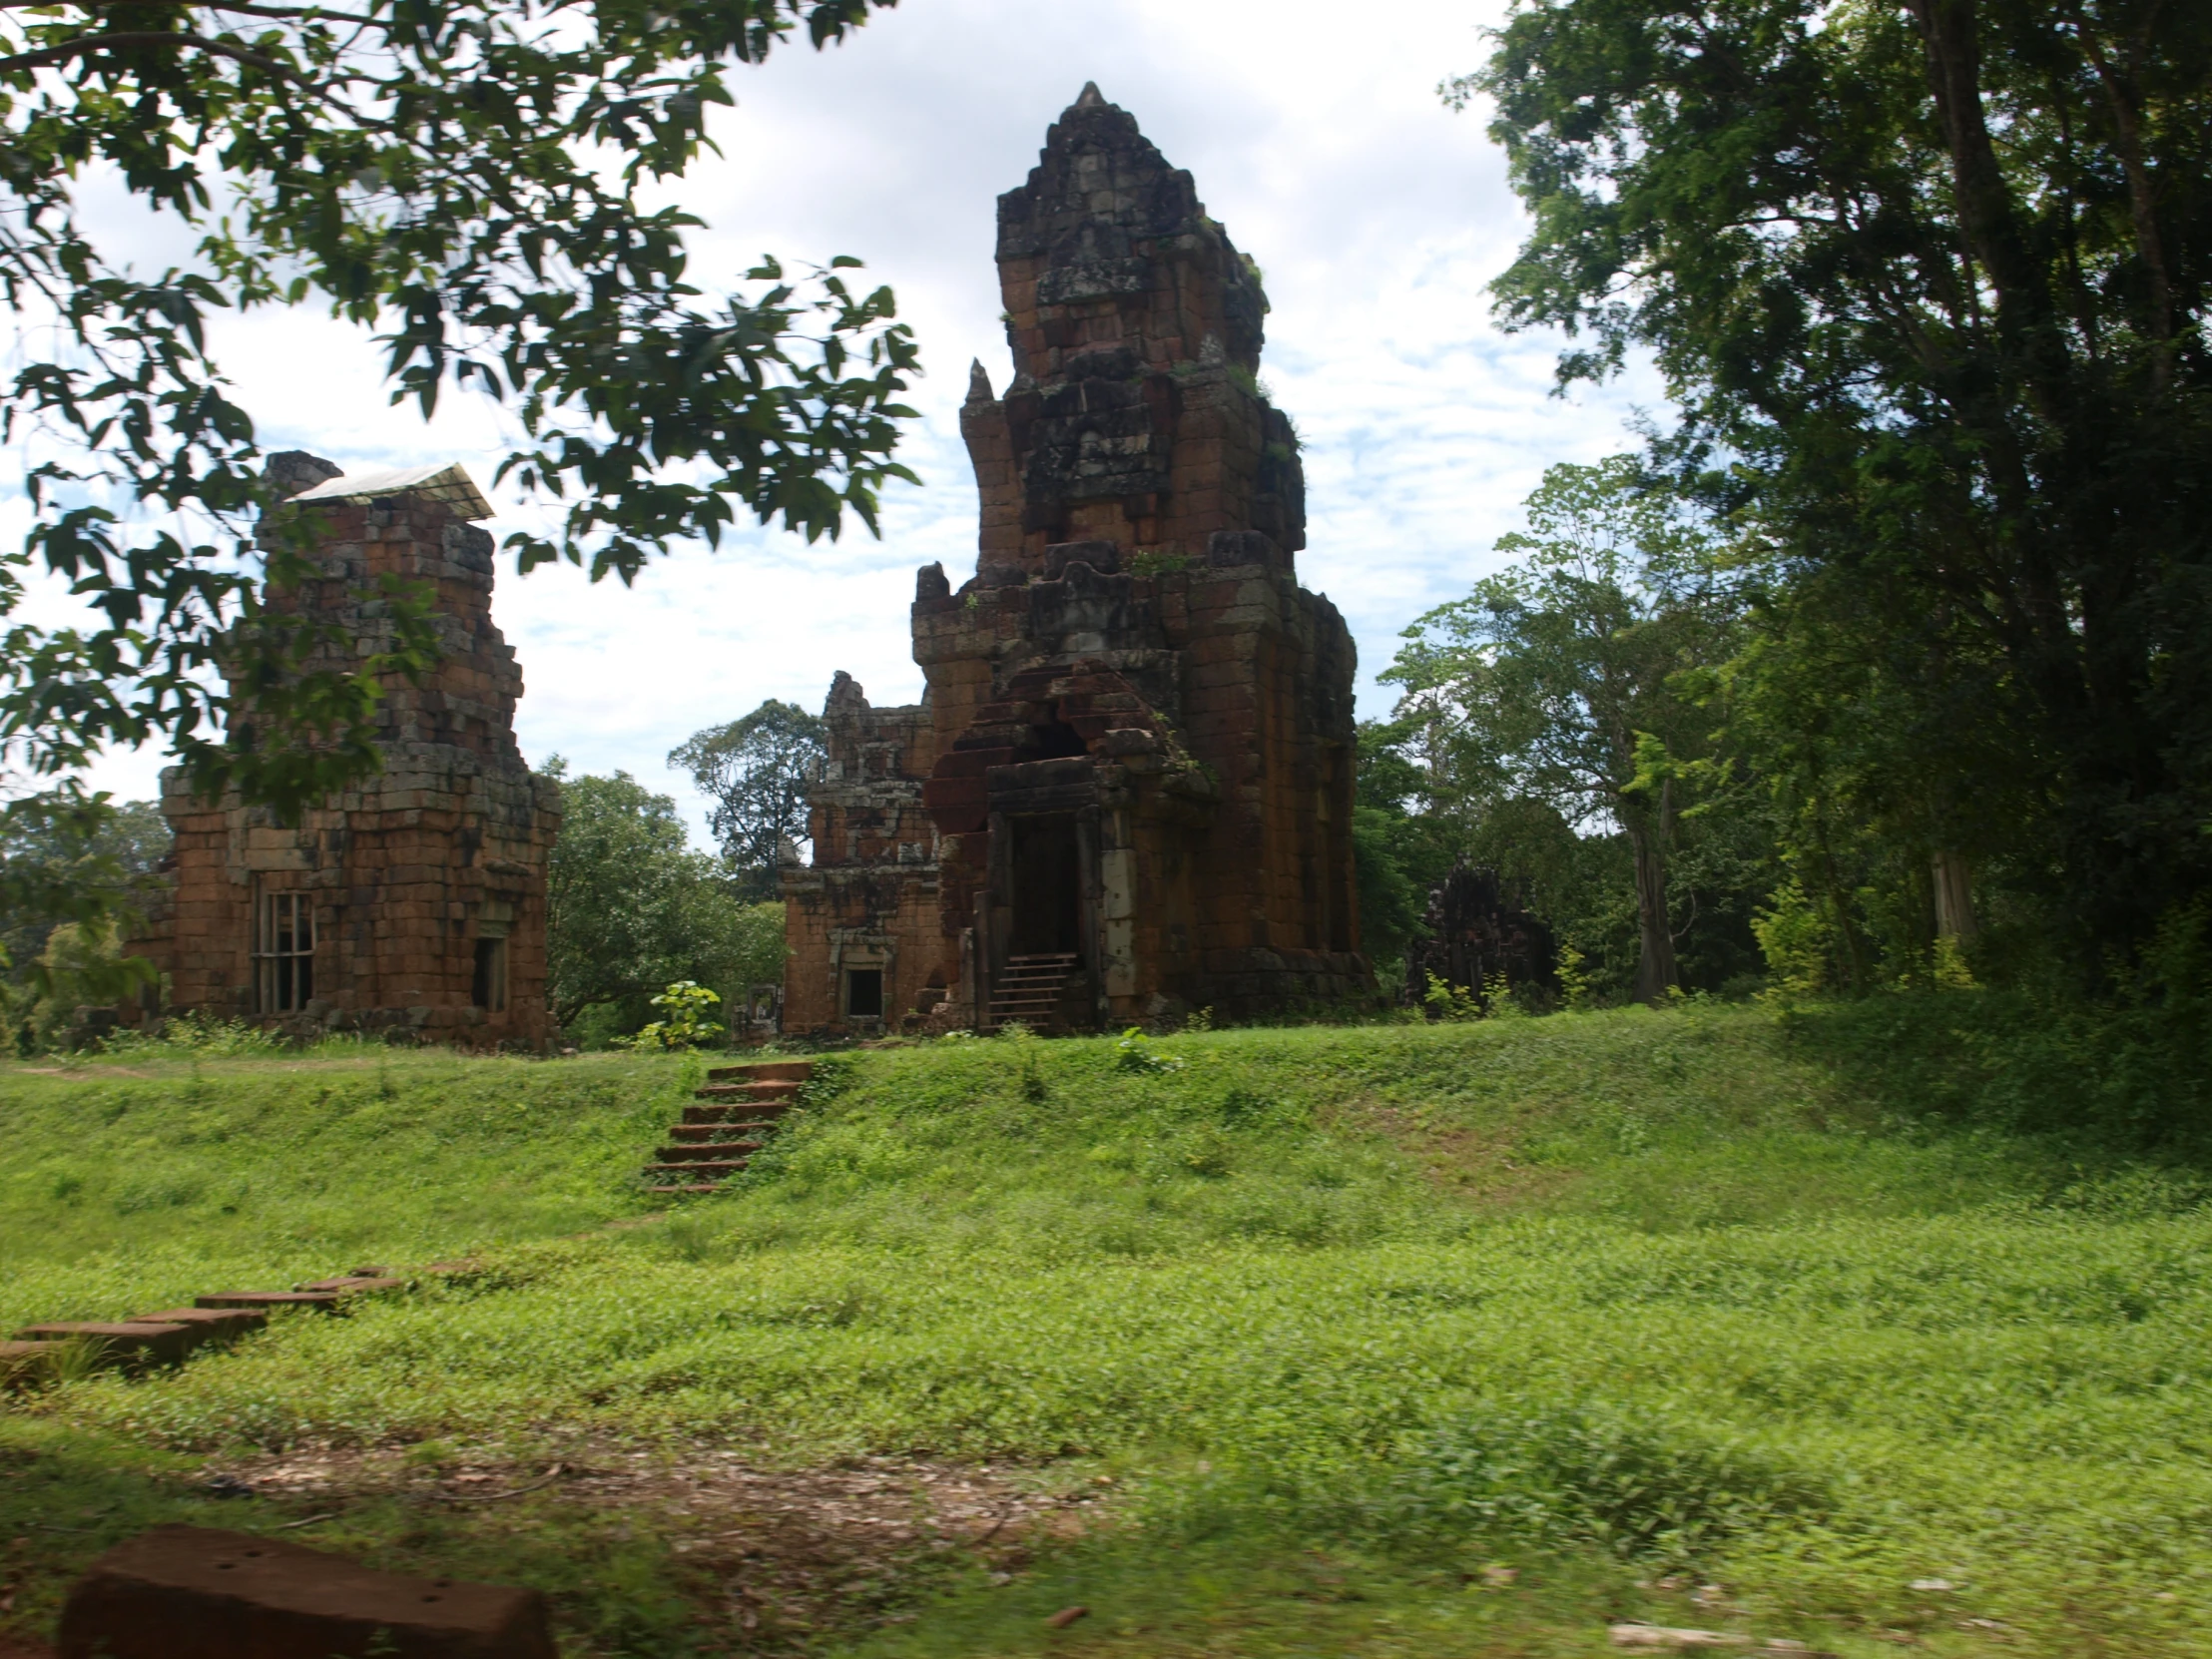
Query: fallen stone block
point(192, 1592)
point(120, 1344)
point(23, 1364)
point(354, 1285)
point(265, 1300)
point(207, 1325)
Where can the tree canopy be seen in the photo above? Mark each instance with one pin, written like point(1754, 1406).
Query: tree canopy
point(1553, 684)
point(70, 872)
point(756, 770)
point(1928, 285)
point(630, 907)
point(471, 181)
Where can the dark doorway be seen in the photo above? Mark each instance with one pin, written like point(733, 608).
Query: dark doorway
point(1048, 879)
point(863, 993)
point(488, 988)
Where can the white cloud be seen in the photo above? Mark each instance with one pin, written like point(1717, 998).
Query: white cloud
point(1376, 215)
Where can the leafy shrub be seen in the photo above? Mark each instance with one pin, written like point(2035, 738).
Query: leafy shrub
point(1132, 1053)
point(686, 1005)
point(1639, 1487)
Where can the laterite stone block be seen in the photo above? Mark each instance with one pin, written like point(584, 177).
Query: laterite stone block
point(121, 1342)
point(192, 1592)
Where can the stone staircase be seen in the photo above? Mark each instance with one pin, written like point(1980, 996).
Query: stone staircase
point(1029, 991)
point(743, 1106)
point(171, 1335)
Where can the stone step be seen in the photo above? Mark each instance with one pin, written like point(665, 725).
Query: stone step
point(181, 1591)
point(764, 1093)
point(722, 1127)
point(702, 1166)
point(691, 1151)
point(207, 1325)
point(747, 1111)
point(354, 1285)
point(691, 1133)
point(764, 1071)
point(119, 1343)
point(25, 1362)
point(326, 1300)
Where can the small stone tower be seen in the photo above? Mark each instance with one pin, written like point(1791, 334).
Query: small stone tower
point(415, 900)
point(1128, 789)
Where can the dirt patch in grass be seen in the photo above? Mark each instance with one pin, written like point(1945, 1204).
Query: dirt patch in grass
point(770, 1559)
point(1473, 1166)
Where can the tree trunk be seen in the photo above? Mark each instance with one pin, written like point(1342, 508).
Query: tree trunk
point(1953, 883)
point(1655, 970)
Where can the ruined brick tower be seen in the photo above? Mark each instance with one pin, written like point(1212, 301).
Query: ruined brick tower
point(1128, 787)
point(414, 902)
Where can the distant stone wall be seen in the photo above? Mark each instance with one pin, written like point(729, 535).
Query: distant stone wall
point(422, 888)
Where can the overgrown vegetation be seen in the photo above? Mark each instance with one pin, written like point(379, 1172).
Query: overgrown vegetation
point(73, 879)
point(1927, 287)
point(633, 909)
point(1476, 1333)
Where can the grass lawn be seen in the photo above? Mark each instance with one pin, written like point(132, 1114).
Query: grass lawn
point(1441, 1341)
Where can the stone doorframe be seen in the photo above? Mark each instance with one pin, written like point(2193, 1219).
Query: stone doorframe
point(995, 906)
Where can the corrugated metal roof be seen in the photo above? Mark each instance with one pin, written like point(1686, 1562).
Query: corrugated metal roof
point(450, 484)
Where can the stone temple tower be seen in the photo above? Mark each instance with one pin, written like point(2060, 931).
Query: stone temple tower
point(1128, 789)
point(414, 903)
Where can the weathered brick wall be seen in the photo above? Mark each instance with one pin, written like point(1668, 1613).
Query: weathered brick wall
point(1134, 657)
point(407, 873)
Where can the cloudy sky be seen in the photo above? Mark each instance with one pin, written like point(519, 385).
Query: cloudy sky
point(1316, 137)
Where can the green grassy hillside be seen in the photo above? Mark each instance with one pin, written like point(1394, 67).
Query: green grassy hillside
point(1438, 1340)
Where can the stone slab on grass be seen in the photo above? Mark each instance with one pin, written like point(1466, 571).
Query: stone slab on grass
point(194, 1592)
point(207, 1325)
point(354, 1285)
point(122, 1342)
point(324, 1300)
point(25, 1363)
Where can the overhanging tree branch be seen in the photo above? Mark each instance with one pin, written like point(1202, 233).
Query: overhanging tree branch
point(47, 57)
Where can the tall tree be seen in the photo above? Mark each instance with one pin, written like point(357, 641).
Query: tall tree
point(1552, 682)
point(473, 179)
point(632, 908)
point(1931, 278)
point(71, 868)
point(1401, 849)
point(756, 770)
